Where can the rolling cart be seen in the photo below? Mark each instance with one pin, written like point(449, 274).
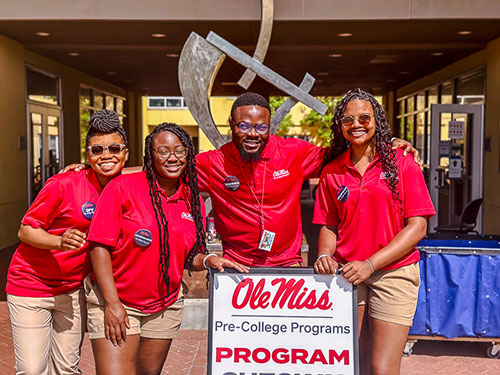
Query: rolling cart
point(459, 296)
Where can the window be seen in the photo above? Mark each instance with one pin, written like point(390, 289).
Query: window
point(166, 102)
point(42, 87)
point(414, 116)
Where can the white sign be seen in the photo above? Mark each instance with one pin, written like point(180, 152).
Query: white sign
point(277, 321)
point(456, 129)
point(455, 170)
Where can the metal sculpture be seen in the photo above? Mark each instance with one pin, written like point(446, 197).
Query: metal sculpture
point(200, 60)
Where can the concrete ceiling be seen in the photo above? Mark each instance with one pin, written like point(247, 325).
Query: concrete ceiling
point(379, 56)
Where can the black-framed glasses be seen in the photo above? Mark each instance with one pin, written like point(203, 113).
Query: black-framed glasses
point(246, 127)
point(164, 152)
point(113, 149)
point(348, 121)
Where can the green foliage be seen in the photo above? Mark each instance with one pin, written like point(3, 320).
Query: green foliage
point(319, 125)
point(274, 103)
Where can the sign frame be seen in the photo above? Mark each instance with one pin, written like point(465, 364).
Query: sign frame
point(279, 271)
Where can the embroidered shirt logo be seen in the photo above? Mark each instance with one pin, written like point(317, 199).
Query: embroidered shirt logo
point(187, 216)
point(280, 174)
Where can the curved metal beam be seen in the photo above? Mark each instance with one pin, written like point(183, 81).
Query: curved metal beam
point(264, 72)
point(306, 85)
point(199, 63)
point(266, 28)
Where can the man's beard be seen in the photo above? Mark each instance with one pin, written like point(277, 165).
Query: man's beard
point(246, 156)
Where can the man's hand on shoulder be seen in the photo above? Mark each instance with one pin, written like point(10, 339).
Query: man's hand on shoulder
point(407, 148)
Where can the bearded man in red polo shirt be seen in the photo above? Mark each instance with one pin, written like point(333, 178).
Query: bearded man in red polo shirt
point(255, 183)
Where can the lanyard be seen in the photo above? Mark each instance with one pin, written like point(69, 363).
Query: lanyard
point(260, 203)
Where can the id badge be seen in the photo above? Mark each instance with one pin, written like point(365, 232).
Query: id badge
point(266, 240)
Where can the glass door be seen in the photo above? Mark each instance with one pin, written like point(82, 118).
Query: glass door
point(45, 146)
point(456, 163)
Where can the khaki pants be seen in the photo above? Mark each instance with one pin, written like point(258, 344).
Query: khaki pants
point(48, 333)
point(163, 324)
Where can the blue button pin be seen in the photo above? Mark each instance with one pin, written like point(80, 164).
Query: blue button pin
point(232, 183)
point(143, 237)
point(342, 193)
point(88, 209)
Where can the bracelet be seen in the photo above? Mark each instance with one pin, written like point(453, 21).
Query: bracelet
point(322, 256)
point(393, 139)
point(370, 264)
point(205, 259)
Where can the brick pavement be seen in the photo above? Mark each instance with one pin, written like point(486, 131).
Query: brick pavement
point(188, 355)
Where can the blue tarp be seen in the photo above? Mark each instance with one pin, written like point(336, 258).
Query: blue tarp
point(458, 296)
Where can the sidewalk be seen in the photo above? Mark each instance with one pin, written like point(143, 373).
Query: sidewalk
point(188, 355)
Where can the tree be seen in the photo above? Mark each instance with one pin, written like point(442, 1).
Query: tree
point(319, 125)
point(274, 103)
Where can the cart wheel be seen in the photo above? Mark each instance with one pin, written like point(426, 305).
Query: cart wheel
point(408, 349)
point(493, 351)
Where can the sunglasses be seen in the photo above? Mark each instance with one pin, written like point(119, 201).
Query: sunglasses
point(164, 152)
point(246, 127)
point(113, 149)
point(348, 121)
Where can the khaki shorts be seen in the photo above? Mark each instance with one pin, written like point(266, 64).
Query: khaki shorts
point(160, 325)
point(391, 295)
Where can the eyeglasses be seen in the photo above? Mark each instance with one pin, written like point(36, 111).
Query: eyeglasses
point(113, 149)
point(348, 121)
point(246, 127)
point(164, 152)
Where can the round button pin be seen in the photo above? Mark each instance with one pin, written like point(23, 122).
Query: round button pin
point(88, 209)
point(232, 183)
point(143, 237)
point(342, 193)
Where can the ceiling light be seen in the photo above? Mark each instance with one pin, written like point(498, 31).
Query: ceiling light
point(404, 72)
point(111, 73)
point(344, 35)
point(172, 55)
point(436, 53)
point(377, 88)
point(323, 73)
point(42, 33)
point(229, 83)
point(319, 81)
point(74, 54)
point(335, 55)
point(158, 35)
point(464, 32)
point(390, 80)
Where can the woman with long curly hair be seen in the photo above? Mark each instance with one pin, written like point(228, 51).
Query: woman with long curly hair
point(373, 206)
point(147, 228)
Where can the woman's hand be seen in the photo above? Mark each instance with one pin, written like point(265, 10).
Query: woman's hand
point(326, 265)
point(356, 272)
point(74, 167)
point(116, 323)
point(72, 239)
point(219, 263)
point(408, 149)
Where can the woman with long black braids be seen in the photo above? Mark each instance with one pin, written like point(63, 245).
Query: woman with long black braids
point(45, 278)
point(147, 228)
point(373, 206)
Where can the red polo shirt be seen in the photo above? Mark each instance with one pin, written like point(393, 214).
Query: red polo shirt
point(284, 165)
point(370, 217)
point(36, 272)
point(122, 221)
